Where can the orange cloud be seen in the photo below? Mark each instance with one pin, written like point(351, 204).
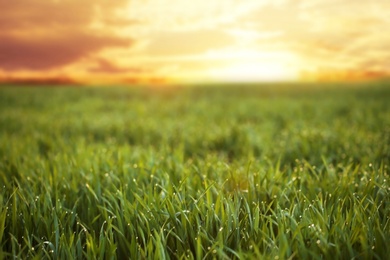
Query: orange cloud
point(46, 15)
point(56, 80)
point(104, 66)
point(51, 52)
point(40, 35)
point(329, 75)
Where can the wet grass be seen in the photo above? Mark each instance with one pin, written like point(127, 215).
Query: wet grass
point(275, 172)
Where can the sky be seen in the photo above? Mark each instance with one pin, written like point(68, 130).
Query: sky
point(157, 41)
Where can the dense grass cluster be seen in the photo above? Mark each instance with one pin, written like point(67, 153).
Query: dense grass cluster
point(276, 172)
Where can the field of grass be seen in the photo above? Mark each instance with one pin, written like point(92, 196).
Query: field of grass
point(250, 172)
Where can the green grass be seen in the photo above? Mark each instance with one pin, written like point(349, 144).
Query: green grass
point(250, 172)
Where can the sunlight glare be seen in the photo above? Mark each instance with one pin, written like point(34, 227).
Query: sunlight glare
point(253, 71)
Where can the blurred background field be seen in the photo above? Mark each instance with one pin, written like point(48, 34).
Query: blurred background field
point(342, 123)
point(247, 171)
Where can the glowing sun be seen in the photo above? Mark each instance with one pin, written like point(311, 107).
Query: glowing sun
point(253, 72)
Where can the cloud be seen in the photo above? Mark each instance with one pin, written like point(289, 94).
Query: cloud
point(329, 74)
point(189, 42)
point(46, 14)
point(41, 35)
point(326, 33)
point(183, 15)
point(54, 80)
point(104, 66)
point(51, 52)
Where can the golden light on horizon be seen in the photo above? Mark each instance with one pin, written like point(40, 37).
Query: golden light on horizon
point(186, 41)
point(253, 72)
point(248, 65)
